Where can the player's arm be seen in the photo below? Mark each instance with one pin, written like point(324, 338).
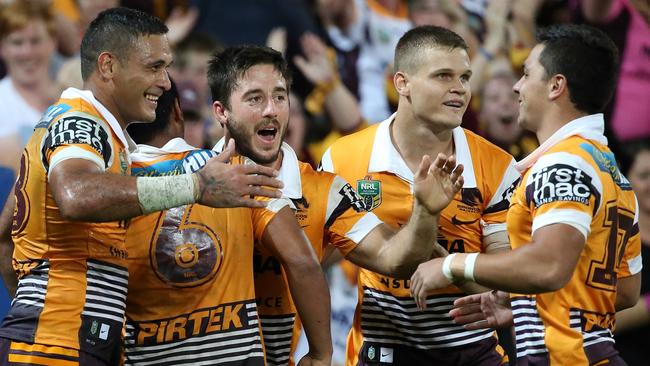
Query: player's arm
point(7, 245)
point(628, 290)
point(546, 264)
point(84, 192)
point(398, 254)
point(635, 317)
point(287, 242)
point(493, 243)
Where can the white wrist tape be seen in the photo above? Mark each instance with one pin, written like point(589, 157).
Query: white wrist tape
point(446, 267)
point(161, 193)
point(470, 262)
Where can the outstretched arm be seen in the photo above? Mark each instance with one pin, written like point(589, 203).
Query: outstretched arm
point(546, 264)
point(287, 242)
point(85, 193)
point(398, 255)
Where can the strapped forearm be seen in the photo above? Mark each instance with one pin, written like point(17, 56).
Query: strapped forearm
point(161, 193)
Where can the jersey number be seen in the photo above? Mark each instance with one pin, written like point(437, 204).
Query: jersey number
point(185, 253)
point(602, 274)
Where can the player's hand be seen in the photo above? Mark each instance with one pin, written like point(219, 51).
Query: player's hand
point(436, 183)
point(427, 277)
point(309, 360)
point(221, 184)
point(485, 310)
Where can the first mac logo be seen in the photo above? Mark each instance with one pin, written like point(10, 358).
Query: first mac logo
point(76, 129)
point(560, 182)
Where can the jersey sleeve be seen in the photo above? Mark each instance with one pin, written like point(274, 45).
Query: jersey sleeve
point(494, 216)
point(346, 221)
point(77, 135)
point(563, 188)
point(262, 216)
point(632, 262)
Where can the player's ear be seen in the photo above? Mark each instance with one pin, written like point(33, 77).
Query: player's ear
point(401, 82)
point(177, 112)
point(557, 86)
point(106, 65)
point(220, 112)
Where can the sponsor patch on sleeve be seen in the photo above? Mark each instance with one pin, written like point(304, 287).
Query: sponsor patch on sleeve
point(353, 197)
point(560, 182)
point(78, 129)
point(341, 197)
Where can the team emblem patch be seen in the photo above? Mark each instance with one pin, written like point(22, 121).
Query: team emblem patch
point(371, 353)
point(370, 192)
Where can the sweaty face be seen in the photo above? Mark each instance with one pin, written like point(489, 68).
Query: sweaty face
point(141, 78)
point(499, 110)
point(259, 113)
point(27, 52)
point(439, 88)
point(532, 92)
point(639, 176)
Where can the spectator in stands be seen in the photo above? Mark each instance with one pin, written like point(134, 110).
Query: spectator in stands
point(26, 45)
point(498, 116)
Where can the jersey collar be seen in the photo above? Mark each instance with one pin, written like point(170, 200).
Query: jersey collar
point(591, 127)
point(87, 95)
point(148, 152)
point(289, 172)
point(385, 158)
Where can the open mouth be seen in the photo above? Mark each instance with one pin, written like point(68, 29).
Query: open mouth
point(267, 134)
point(506, 120)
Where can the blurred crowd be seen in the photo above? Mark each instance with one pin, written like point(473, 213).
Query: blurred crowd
point(341, 52)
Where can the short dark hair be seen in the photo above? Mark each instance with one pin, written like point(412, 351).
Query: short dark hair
point(143, 133)
point(411, 44)
point(228, 66)
point(115, 30)
point(588, 59)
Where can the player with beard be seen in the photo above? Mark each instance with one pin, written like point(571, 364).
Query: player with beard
point(191, 295)
point(74, 194)
point(250, 89)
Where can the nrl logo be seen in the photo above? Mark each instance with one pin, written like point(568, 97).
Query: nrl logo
point(370, 192)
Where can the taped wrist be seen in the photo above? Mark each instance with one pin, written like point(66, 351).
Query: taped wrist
point(161, 193)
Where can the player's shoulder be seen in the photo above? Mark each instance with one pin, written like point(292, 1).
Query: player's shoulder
point(71, 110)
point(355, 140)
point(316, 180)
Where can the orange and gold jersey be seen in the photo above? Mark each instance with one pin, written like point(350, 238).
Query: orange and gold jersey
point(191, 294)
point(329, 211)
point(72, 277)
point(575, 182)
point(386, 317)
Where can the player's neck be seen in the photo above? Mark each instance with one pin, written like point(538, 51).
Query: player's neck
point(277, 163)
point(413, 139)
point(556, 118)
point(104, 97)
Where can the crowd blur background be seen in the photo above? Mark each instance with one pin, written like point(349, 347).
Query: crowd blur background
point(341, 53)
